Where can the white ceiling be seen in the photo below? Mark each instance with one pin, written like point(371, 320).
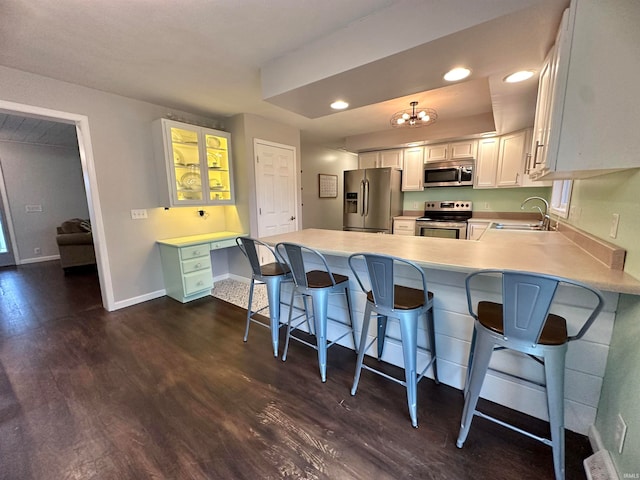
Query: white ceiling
point(288, 59)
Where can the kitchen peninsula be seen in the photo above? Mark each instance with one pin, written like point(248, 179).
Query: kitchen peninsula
point(447, 262)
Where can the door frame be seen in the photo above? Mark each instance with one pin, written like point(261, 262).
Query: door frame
point(87, 162)
point(10, 236)
point(296, 170)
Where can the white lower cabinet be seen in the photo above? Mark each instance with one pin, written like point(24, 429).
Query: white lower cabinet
point(187, 271)
point(404, 226)
point(475, 229)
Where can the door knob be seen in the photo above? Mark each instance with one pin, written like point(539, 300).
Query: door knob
point(292, 217)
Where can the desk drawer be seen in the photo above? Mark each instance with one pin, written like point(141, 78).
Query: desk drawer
point(194, 251)
point(198, 281)
point(196, 264)
point(230, 242)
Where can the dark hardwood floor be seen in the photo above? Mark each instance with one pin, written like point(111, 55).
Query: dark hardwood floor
point(163, 390)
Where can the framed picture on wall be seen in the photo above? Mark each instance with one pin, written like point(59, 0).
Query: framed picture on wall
point(327, 186)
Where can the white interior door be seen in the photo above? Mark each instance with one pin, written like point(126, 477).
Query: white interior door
point(276, 192)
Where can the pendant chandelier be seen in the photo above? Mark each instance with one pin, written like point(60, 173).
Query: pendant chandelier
point(412, 118)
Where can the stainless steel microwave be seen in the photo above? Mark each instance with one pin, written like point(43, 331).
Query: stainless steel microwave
point(456, 173)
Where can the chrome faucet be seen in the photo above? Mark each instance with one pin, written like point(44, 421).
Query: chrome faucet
point(545, 219)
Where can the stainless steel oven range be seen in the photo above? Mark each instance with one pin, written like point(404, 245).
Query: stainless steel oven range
point(445, 219)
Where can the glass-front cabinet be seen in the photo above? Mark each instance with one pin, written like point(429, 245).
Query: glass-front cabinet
point(196, 164)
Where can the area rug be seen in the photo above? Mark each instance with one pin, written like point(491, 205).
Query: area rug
point(236, 292)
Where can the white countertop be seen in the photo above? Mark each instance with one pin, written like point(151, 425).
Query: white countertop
point(535, 251)
point(199, 239)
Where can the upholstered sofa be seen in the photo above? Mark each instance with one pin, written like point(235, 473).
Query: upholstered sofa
point(75, 243)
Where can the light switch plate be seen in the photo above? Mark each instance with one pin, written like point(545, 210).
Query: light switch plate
point(139, 214)
point(615, 220)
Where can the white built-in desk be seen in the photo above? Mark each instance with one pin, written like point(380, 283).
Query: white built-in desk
point(186, 263)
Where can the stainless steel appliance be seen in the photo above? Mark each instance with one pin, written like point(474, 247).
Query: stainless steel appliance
point(455, 173)
point(445, 219)
point(372, 197)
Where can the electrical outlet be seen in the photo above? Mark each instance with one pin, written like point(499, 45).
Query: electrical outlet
point(613, 232)
point(138, 214)
point(486, 205)
point(621, 432)
point(415, 205)
point(37, 251)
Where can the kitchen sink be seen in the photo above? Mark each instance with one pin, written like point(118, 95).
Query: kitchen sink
point(518, 226)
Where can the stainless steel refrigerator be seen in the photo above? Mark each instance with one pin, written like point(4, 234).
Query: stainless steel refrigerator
point(372, 197)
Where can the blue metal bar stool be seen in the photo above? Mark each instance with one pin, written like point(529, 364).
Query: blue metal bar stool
point(522, 322)
point(317, 284)
point(272, 275)
point(406, 304)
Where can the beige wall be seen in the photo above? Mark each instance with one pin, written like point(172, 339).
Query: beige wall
point(120, 130)
point(47, 176)
point(323, 212)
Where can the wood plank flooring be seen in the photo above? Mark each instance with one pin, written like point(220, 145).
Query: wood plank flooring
point(163, 390)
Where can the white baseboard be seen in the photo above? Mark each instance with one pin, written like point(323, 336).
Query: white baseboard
point(595, 439)
point(238, 278)
point(25, 261)
point(139, 299)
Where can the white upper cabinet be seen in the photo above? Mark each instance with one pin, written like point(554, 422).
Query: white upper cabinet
point(194, 164)
point(588, 108)
point(511, 160)
point(503, 162)
point(451, 151)
point(413, 173)
point(382, 158)
point(486, 163)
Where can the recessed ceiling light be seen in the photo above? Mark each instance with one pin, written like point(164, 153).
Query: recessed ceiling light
point(339, 105)
point(457, 74)
point(520, 76)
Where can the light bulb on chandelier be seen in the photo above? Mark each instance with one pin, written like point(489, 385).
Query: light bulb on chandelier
point(412, 118)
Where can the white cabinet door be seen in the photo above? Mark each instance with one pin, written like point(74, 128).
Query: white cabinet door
point(194, 165)
point(413, 173)
point(451, 151)
point(368, 159)
point(542, 120)
point(476, 229)
point(486, 163)
point(391, 158)
point(511, 160)
point(464, 149)
point(436, 153)
point(404, 226)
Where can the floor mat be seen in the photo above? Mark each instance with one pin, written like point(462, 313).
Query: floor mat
point(236, 292)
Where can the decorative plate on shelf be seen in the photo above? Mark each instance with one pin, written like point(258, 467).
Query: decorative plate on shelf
point(178, 159)
point(213, 142)
point(214, 159)
point(191, 181)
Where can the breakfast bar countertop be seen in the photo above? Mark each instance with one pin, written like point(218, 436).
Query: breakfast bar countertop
point(536, 251)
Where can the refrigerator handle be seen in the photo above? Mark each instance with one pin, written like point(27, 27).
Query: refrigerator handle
point(362, 200)
point(366, 197)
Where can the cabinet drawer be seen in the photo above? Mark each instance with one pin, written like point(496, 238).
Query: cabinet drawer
point(196, 264)
point(198, 281)
point(194, 251)
point(230, 242)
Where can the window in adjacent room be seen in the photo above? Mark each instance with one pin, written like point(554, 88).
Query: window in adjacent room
point(561, 197)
